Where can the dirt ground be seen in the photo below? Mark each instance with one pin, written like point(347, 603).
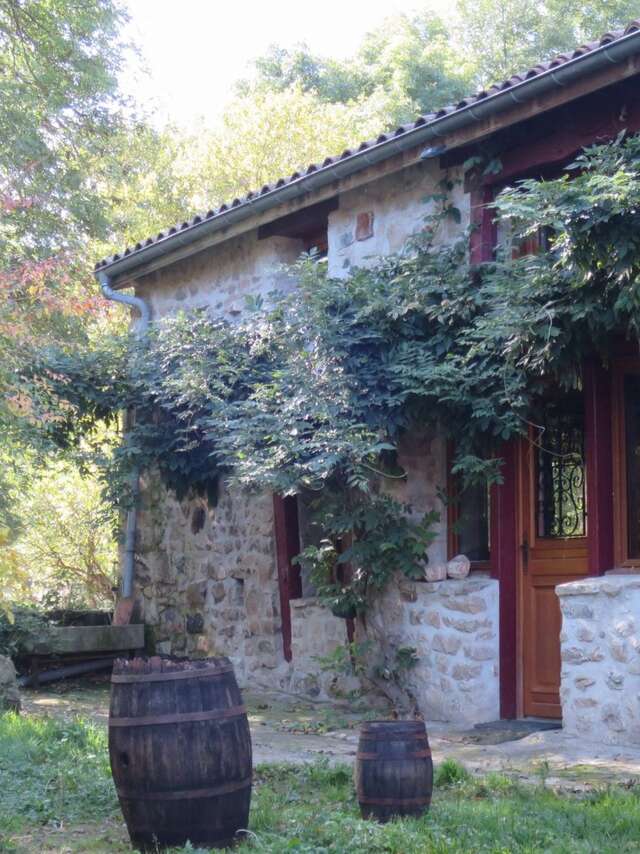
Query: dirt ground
point(285, 728)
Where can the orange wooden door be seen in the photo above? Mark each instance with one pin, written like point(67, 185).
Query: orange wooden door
point(553, 528)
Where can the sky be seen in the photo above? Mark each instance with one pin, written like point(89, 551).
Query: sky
point(194, 50)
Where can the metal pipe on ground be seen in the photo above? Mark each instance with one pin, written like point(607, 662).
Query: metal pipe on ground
point(65, 672)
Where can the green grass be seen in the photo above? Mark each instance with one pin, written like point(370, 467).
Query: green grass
point(313, 810)
point(52, 772)
point(55, 783)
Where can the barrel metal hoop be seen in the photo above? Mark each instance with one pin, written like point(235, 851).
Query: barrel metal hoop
point(185, 794)
point(401, 737)
point(183, 718)
point(120, 678)
point(395, 802)
point(419, 754)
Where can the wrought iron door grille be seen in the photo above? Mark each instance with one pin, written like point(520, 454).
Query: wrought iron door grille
point(561, 481)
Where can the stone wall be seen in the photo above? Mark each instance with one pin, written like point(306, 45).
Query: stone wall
point(222, 277)
point(453, 626)
point(316, 633)
point(206, 577)
point(600, 642)
point(378, 218)
point(423, 456)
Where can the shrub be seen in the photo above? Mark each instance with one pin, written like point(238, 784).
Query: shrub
point(451, 773)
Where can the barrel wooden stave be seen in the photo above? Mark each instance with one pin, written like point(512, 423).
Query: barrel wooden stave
point(394, 770)
point(180, 780)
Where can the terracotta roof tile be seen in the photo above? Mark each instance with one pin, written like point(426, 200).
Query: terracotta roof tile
point(514, 80)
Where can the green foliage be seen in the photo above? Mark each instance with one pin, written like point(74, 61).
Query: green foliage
point(71, 544)
point(421, 61)
point(317, 390)
point(264, 134)
point(15, 629)
point(450, 773)
point(507, 36)
point(407, 64)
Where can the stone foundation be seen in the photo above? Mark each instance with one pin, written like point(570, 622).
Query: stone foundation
point(453, 626)
point(600, 640)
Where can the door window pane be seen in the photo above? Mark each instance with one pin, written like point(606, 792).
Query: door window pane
point(632, 447)
point(560, 468)
point(472, 526)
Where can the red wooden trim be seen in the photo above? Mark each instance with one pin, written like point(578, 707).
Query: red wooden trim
point(503, 561)
point(483, 228)
point(599, 464)
point(556, 138)
point(351, 629)
point(285, 520)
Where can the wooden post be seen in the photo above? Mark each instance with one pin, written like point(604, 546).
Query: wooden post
point(599, 464)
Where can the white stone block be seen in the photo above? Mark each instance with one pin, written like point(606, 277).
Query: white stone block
point(601, 667)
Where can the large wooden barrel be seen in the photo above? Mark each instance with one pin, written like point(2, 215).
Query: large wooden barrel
point(394, 771)
point(180, 751)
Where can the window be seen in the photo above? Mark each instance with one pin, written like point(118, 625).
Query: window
point(469, 522)
point(318, 243)
point(560, 468)
point(472, 524)
point(309, 534)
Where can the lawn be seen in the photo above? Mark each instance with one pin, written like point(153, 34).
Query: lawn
point(56, 795)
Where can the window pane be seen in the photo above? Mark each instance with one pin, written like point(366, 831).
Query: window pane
point(473, 523)
point(632, 444)
point(311, 534)
point(560, 469)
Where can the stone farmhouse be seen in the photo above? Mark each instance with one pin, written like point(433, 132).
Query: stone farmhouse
point(548, 621)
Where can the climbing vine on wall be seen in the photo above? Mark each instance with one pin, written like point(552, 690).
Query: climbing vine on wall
point(315, 389)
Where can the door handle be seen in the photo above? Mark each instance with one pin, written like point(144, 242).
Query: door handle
point(524, 548)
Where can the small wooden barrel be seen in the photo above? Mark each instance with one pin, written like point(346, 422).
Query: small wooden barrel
point(394, 771)
point(180, 751)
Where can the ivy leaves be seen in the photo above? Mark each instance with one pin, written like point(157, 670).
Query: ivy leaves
point(316, 390)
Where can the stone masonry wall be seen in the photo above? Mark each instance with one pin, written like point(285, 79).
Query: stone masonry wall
point(378, 218)
point(453, 626)
point(600, 642)
point(222, 277)
point(206, 577)
point(316, 633)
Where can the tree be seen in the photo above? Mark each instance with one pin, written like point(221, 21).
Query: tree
point(58, 103)
point(503, 37)
point(68, 538)
point(406, 62)
point(422, 61)
point(265, 134)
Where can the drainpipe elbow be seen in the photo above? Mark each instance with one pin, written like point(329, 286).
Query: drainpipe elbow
point(126, 299)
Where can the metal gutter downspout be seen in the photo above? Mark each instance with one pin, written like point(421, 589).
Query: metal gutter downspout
point(128, 568)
